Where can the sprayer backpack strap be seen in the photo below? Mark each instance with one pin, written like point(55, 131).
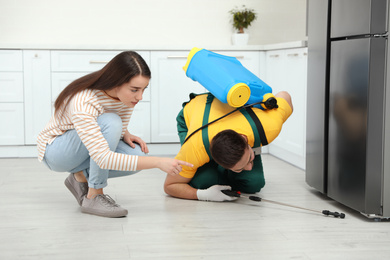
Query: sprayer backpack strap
point(257, 127)
point(205, 130)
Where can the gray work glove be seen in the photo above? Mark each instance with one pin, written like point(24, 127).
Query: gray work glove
point(214, 194)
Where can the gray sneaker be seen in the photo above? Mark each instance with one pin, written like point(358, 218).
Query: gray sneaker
point(78, 189)
point(103, 205)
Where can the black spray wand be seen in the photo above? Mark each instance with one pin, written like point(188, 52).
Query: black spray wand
point(256, 198)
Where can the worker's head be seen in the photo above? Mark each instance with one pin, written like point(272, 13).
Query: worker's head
point(231, 150)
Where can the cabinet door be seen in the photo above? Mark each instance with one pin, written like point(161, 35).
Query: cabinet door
point(275, 70)
point(139, 124)
point(87, 61)
point(295, 134)
point(59, 80)
point(12, 124)
point(11, 60)
point(11, 87)
point(249, 59)
point(170, 87)
point(287, 70)
point(37, 97)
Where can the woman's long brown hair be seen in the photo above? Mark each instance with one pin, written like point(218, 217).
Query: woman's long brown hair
point(121, 69)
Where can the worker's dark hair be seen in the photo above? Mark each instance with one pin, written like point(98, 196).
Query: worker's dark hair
point(227, 148)
point(121, 69)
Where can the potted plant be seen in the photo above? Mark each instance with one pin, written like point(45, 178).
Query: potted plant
point(242, 19)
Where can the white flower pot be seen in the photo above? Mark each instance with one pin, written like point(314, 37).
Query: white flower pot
point(240, 38)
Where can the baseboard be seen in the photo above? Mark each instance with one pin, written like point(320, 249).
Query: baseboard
point(288, 156)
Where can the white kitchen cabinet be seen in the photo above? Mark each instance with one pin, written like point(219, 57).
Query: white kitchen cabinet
point(59, 80)
point(37, 93)
point(11, 98)
point(139, 124)
point(30, 81)
point(88, 61)
point(11, 87)
point(11, 60)
point(12, 124)
point(287, 70)
point(171, 87)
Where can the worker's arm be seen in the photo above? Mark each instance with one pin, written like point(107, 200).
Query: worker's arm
point(286, 96)
point(177, 186)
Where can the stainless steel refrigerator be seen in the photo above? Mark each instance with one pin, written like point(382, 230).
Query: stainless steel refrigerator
point(348, 109)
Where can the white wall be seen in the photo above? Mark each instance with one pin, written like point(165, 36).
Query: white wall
point(145, 22)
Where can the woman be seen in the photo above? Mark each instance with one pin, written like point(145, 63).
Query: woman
point(88, 137)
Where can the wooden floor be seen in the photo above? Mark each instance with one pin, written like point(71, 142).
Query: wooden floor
point(40, 219)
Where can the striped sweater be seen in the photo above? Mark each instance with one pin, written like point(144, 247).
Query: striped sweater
point(81, 114)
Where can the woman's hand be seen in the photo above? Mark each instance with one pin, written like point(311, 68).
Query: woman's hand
point(131, 139)
point(172, 166)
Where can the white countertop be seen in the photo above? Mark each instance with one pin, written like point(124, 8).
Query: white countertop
point(266, 47)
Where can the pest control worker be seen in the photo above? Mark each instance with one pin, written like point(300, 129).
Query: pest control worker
point(224, 153)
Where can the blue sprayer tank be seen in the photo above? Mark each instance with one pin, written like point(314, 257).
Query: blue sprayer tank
point(227, 79)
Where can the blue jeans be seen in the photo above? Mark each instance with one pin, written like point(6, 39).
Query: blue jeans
point(67, 153)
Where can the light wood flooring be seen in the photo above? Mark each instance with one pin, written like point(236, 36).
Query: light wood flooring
point(40, 219)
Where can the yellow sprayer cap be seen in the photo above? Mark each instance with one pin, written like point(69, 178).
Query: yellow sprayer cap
point(265, 98)
point(189, 57)
point(238, 95)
